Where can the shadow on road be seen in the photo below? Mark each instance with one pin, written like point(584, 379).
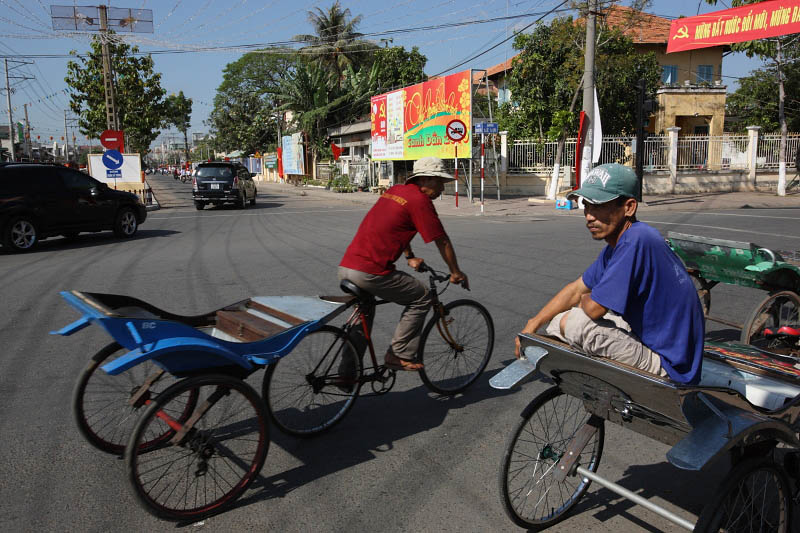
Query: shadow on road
point(233, 207)
point(371, 429)
point(85, 240)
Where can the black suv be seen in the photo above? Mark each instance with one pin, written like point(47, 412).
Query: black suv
point(39, 201)
point(217, 183)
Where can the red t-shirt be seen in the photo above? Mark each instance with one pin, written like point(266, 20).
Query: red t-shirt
point(389, 226)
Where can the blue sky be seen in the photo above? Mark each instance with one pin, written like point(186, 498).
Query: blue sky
point(25, 29)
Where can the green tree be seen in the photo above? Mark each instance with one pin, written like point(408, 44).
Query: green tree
point(754, 102)
point(397, 67)
point(335, 43)
point(548, 71)
point(245, 106)
point(178, 113)
point(309, 98)
point(139, 96)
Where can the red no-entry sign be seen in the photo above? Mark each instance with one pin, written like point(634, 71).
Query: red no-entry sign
point(113, 140)
point(456, 130)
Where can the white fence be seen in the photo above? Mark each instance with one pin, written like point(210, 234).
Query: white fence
point(694, 153)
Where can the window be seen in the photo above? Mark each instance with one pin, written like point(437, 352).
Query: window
point(669, 74)
point(77, 181)
point(705, 73)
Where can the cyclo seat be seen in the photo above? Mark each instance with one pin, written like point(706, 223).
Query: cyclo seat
point(351, 288)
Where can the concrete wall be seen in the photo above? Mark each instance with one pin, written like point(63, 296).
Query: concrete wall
point(686, 107)
point(687, 62)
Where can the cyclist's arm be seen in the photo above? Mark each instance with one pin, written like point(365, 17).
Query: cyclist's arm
point(449, 255)
point(412, 260)
point(567, 298)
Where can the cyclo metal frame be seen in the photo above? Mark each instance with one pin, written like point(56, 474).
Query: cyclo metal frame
point(701, 423)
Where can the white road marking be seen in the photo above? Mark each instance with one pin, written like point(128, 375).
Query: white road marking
point(654, 222)
point(257, 214)
point(736, 215)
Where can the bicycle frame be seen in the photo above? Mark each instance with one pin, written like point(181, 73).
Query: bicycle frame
point(359, 318)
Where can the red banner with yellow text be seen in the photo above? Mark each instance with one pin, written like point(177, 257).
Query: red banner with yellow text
point(740, 24)
point(411, 123)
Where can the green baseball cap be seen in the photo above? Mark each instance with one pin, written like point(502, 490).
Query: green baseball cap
point(607, 182)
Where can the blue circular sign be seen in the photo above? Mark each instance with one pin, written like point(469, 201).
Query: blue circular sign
point(112, 159)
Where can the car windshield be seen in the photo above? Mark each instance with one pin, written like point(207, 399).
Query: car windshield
point(214, 172)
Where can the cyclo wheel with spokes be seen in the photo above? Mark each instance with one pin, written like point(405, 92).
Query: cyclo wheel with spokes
point(754, 497)
point(530, 495)
point(197, 472)
point(312, 388)
point(103, 405)
point(778, 309)
point(456, 355)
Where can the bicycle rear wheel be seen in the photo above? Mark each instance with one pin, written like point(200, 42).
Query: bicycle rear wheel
point(104, 405)
point(199, 472)
point(311, 389)
point(460, 350)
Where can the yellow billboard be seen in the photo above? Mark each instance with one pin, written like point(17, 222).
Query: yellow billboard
point(411, 123)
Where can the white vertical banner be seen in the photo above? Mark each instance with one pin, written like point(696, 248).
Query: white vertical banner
point(597, 135)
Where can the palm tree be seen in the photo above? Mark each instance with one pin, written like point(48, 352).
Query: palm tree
point(335, 44)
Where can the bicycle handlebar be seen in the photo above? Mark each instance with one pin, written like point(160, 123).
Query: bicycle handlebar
point(439, 277)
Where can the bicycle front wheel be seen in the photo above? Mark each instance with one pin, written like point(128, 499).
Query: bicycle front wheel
point(312, 388)
point(107, 407)
point(460, 349)
point(199, 470)
point(530, 495)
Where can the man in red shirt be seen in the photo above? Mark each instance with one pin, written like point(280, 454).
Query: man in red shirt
point(385, 233)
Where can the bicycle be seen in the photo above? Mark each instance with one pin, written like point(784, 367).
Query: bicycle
point(308, 393)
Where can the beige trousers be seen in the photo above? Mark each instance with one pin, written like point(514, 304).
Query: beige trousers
point(401, 288)
point(609, 336)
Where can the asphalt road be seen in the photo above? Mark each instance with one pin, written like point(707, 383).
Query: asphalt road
point(407, 461)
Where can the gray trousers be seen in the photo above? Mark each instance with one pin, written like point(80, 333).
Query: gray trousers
point(609, 336)
point(401, 288)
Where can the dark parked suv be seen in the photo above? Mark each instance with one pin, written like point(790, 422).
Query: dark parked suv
point(40, 201)
point(217, 183)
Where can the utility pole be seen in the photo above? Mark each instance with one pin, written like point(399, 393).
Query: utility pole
point(10, 119)
point(8, 100)
point(108, 78)
point(28, 150)
point(588, 88)
point(66, 139)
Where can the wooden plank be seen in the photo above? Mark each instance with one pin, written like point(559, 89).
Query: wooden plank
point(293, 320)
point(246, 326)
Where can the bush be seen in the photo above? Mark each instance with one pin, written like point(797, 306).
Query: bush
point(341, 184)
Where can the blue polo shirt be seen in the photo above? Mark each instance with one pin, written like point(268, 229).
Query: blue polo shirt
point(642, 280)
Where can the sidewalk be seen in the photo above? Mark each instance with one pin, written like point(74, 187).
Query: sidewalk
point(538, 206)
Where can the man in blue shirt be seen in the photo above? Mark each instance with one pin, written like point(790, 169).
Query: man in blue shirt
point(636, 303)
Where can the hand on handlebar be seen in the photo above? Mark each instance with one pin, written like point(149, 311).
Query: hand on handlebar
point(459, 278)
point(417, 263)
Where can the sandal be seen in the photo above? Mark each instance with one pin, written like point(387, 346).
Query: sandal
point(395, 363)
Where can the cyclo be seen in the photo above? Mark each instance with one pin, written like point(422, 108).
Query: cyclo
point(746, 408)
point(170, 394)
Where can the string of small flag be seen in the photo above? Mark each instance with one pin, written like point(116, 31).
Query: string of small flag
point(40, 100)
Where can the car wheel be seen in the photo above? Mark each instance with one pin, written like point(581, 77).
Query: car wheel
point(126, 223)
point(253, 199)
point(242, 203)
point(199, 205)
point(21, 234)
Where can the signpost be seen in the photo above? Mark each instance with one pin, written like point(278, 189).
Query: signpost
point(487, 127)
point(483, 128)
point(456, 130)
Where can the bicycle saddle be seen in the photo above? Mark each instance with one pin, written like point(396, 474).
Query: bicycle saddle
point(351, 288)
